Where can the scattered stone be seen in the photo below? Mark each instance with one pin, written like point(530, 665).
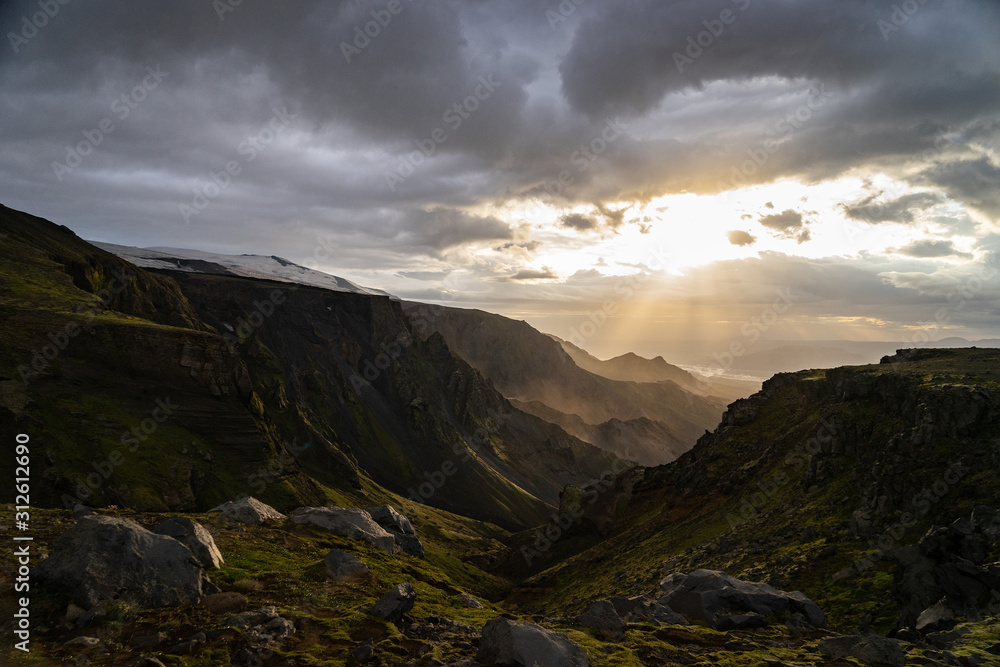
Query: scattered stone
point(87, 642)
point(869, 649)
point(225, 603)
point(341, 565)
point(262, 626)
point(395, 604)
point(103, 558)
point(249, 619)
point(602, 616)
point(148, 641)
point(712, 597)
point(195, 537)
point(469, 602)
point(400, 527)
point(82, 511)
point(524, 644)
point(353, 523)
point(248, 510)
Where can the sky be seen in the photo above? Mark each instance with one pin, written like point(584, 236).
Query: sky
point(629, 175)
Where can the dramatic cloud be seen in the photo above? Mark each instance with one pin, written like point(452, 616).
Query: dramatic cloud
point(449, 150)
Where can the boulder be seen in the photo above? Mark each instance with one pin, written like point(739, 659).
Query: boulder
point(469, 602)
point(603, 616)
point(340, 565)
point(395, 604)
point(872, 650)
point(195, 537)
point(725, 602)
point(103, 558)
point(353, 523)
point(249, 511)
point(524, 644)
point(400, 527)
point(938, 618)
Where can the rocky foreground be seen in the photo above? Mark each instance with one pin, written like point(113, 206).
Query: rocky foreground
point(247, 585)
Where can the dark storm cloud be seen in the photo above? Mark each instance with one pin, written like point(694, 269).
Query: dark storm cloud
point(900, 210)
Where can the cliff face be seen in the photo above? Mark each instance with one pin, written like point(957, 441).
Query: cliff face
point(171, 391)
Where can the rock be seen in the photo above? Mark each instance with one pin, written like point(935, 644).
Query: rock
point(712, 597)
point(225, 603)
point(103, 558)
point(353, 523)
point(74, 612)
point(523, 644)
point(341, 565)
point(939, 618)
point(400, 527)
point(364, 651)
point(148, 641)
point(81, 511)
point(195, 537)
point(88, 642)
point(249, 511)
point(469, 602)
point(602, 616)
point(395, 604)
point(868, 649)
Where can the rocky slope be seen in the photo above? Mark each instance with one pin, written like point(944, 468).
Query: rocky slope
point(872, 489)
point(534, 370)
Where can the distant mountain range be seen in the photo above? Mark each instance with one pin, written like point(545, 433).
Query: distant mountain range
point(650, 422)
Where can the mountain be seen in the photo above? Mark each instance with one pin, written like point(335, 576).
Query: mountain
point(176, 390)
point(246, 266)
point(534, 371)
point(831, 482)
